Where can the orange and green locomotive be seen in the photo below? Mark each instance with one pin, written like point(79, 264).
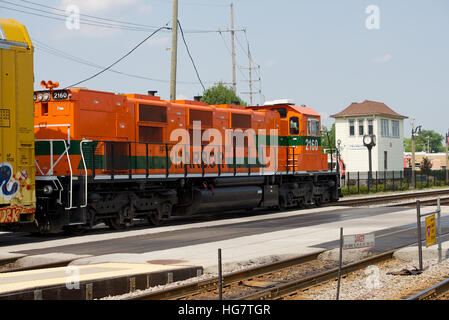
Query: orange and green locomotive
point(115, 158)
point(94, 157)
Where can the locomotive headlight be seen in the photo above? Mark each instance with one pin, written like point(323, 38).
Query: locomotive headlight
point(39, 97)
point(46, 96)
point(48, 190)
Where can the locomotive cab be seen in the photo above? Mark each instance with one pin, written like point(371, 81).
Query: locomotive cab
point(300, 132)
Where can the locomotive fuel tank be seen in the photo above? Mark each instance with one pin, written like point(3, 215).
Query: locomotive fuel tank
point(228, 198)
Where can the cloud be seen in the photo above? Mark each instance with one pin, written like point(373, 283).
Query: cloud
point(100, 8)
point(384, 59)
point(95, 6)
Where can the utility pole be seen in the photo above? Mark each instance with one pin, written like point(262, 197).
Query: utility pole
point(250, 78)
point(174, 51)
point(447, 155)
point(234, 77)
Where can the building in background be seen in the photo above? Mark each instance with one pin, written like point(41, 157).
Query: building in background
point(370, 117)
point(438, 160)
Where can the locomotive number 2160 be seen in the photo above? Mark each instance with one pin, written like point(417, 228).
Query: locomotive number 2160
point(311, 145)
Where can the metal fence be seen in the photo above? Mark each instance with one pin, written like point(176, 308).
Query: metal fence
point(382, 181)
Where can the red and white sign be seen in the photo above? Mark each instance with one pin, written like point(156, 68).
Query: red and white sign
point(356, 241)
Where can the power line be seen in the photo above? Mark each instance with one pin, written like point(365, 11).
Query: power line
point(90, 16)
point(57, 17)
point(47, 49)
point(41, 46)
point(188, 51)
point(127, 54)
point(111, 23)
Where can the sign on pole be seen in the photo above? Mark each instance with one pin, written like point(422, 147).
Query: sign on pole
point(356, 241)
point(430, 231)
point(353, 241)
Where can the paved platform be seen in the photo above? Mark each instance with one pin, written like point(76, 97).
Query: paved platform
point(91, 281)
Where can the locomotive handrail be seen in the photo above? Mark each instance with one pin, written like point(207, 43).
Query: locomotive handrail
point(53, 165)
point(114, 165)
point(85, 171)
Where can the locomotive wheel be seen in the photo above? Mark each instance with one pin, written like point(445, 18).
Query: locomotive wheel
point(154, 219)
point(115, 223)
point(123, 220)
point(282, 205)
point(301, 203)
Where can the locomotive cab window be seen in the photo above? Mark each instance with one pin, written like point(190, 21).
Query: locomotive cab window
point(313, 127)
point(294, 126)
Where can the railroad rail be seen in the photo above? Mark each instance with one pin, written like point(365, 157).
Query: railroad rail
point(211, 284)
point(432, 293)
point(256, 279)
point(363, 201)
point(274, 291)
point(283, 290)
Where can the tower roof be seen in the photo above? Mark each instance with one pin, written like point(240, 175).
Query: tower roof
point(368, 107)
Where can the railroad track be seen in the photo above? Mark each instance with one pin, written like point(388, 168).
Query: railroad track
point(398, 197)
point(260, 283)
point(283, 290)
point(193, 289)
point(257, 281)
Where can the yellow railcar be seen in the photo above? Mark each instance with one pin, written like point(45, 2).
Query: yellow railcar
point(17, 168)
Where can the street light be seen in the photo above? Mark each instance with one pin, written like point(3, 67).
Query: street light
point(340, 173)
point(416, 131)
point(369, 141)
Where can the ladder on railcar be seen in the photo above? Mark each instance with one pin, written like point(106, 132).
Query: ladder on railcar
point(292, 159)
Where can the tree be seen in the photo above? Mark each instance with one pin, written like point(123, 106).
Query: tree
point(221, 94)
point(435, 142)
point(325, 141)
point(408, 145)
point(426, 165)
point(429, 138)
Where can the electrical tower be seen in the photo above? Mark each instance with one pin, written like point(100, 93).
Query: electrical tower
point(251, 81)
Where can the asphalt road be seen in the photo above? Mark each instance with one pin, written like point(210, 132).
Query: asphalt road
point(193, 235)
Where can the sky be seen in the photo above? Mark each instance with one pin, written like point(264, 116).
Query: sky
point(325, 54)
